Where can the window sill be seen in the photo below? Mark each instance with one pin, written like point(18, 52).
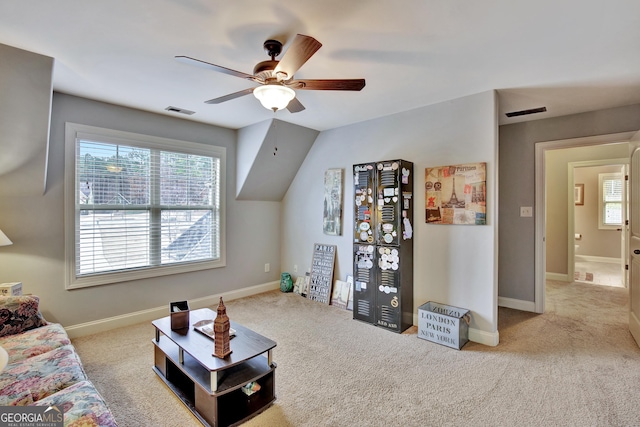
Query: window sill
point(138, 274)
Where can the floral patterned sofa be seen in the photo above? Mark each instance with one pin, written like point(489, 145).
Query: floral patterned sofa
point(43, 367)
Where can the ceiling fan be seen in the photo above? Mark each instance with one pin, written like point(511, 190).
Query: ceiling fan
point(276, 77)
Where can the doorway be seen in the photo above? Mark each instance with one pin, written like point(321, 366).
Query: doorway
point(597, 220)
point(560, 234)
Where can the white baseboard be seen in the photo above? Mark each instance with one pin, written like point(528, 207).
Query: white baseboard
point(558, 276)
point(589, 258)
point(102, 325)
point(476, 335)
point(481, 337)
point(517, 304)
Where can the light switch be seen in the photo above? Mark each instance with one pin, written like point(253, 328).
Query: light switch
point(526, 211)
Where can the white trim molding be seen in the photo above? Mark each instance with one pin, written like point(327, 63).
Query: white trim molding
point(517, 304)
point(476, 335)
point(589, 258)
point(561, 277)
point(482, 337)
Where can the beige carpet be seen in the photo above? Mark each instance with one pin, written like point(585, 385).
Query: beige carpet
point(575, 365)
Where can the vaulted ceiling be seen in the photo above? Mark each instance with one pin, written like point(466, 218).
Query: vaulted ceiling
point(568, 55)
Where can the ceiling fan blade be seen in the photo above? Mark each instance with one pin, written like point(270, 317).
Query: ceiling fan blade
point(230, 96)
point(344, 84)
point(301, 49)
point(295, 106)
point(218, 68)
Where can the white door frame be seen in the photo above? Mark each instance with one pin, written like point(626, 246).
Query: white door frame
point(540, 201)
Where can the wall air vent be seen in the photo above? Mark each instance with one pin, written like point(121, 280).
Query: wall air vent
point(180, 110)
point(525, 112)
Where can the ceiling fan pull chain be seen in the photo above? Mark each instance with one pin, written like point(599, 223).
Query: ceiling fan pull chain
point(275, 130)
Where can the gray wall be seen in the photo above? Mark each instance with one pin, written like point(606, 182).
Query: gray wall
point(25, 108)
point(452, 264)
point(517, 177)
point(35, 225)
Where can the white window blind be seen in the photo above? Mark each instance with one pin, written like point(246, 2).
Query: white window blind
point(610, 200)
point(141, 206)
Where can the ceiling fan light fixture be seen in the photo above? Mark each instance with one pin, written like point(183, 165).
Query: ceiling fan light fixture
point(114, 168)
point(274, 97)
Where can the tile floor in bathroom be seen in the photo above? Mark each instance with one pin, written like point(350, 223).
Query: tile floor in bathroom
point(598, 273)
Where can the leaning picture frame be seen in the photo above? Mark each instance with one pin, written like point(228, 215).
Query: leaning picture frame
point(350, 299)
point(578, 194)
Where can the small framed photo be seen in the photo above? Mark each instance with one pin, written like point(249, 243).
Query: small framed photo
point(578, 194)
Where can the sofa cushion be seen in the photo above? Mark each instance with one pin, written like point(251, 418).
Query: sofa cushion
point(82, 406)
point(19, 314)
point(32, 379)
point(34, 341)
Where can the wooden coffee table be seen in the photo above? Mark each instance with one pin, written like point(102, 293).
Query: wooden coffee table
point(209, 386)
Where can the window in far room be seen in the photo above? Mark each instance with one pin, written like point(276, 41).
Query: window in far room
point(140, 206)
point(610, 201)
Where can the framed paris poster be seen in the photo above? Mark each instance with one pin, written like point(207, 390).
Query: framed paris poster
point(332, 216)
point(456, 194)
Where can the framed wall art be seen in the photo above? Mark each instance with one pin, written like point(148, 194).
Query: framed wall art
point(456, 194)
point(321, 277)
point(332, 216)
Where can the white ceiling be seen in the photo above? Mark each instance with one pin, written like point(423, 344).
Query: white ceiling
point(568, 55)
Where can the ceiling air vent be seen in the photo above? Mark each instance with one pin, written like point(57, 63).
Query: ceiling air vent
point(525, 112)
point(180, 110)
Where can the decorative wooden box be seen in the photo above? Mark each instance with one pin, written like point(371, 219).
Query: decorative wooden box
point(179, 315)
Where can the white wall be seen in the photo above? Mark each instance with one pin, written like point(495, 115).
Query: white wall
point(35, 225)
point(454, 265)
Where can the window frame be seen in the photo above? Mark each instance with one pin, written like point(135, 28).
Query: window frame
point(602, 177)
point(73, 132)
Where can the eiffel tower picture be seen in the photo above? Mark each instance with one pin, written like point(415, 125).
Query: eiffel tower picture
point(453, 200)
point(466, 204)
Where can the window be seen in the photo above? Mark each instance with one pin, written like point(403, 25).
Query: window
point(140, 206)
point(610, 201)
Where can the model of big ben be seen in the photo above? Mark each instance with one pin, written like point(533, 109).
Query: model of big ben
point(221, 327)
